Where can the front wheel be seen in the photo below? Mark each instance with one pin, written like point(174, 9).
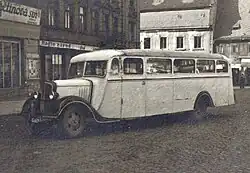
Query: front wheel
point(72, 123)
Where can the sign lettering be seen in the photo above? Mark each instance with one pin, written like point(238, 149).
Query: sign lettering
point(62, 45)
point(19, 13)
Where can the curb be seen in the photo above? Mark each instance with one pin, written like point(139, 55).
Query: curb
point(11, 107)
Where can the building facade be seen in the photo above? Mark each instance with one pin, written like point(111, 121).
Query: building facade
point(19, 49)
point(38, 38)
point(70, 27)
point(232, 36)
point(177, 25)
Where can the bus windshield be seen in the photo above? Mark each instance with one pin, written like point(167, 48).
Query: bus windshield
point(88, 69)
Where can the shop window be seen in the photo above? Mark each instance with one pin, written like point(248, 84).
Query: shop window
point(184, 66)
point(146, 43)
point(206, 66)
point(180, 42)
point(157, 65)
point(133, 66)
point(197, 42)
point(163, 42)
point(10, 72)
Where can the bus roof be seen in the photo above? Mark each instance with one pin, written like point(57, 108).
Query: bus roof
point(109, 53)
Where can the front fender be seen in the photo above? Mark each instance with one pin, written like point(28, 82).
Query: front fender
point(69, 100)
point(25, 107)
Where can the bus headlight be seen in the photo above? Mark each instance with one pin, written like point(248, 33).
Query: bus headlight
point(35, 95)
point(53, 96)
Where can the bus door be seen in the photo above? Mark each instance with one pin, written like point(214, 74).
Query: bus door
point(133, 87)
point(159, 86)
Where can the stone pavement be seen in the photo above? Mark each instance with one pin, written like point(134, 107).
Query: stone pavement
point(11, 107)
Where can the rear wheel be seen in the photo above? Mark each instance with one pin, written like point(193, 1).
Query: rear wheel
point(72, 122)
point(200, 110)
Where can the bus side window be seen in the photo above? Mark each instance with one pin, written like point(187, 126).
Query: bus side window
point(221, 66)
point(206, 66)
point(115, 67)
point(158, 65)
point(133, 66)
point(184, 66)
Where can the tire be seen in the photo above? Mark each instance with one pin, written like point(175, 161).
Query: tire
point(200, 109)
point(72, 123)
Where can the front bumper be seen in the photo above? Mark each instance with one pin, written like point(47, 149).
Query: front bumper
point(38, 110)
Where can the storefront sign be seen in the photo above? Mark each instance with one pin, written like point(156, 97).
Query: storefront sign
point(62, 45)
point(19, 13)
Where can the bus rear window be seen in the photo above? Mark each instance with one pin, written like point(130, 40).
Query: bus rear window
point(206, 66)
point(221, 66)
point(184, 66)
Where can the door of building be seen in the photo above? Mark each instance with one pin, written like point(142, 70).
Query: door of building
point(54, 67)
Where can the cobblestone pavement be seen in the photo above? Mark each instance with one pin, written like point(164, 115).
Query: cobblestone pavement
point(219, 144)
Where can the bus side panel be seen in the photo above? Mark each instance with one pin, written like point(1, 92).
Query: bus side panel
point(185, 91)
point(206, 84)
point(222, 91)
point(111, 104)
point(230, 92)
point(159, 96)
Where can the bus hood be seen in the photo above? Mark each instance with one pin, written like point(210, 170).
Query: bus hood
point(72, 82)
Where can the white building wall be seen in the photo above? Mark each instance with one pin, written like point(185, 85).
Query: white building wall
point(172, 36)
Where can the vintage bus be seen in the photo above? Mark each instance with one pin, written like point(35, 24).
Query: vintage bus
point(115, 85)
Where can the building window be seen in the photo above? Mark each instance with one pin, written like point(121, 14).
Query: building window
point(197, 42)
point(83, 21)
point(163, 42)
point(10, 64)
point(146, 43)
point(106, 22)
point(179, 44)
point(131, 3)
point(235, 48)
point(115, 23)
point(132, 31)
point(51, 17)
point(67, 18)
point(95, 21)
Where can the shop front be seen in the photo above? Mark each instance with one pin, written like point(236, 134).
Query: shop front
point(245, 68)
point(19, 53)
point(55, 58)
